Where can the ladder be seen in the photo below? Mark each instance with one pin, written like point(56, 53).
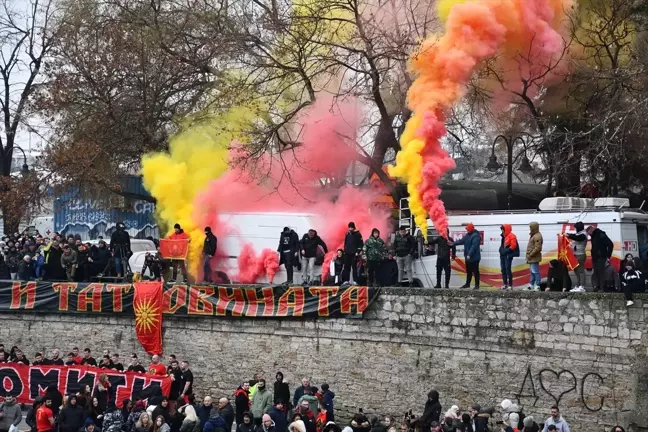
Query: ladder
point(405, 219)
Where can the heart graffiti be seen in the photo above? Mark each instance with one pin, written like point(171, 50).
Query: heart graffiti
point(553, 382)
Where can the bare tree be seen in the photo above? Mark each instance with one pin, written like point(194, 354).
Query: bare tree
point(27, 34)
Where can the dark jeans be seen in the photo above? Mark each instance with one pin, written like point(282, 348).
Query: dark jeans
point(207, 271)
point(472, 268)
point(598, 278)
point(443, 265)
point(629, 289)
point(350, 261)
point(183, 268)
point(506, 264)
point(373, 272)
point(289, 259)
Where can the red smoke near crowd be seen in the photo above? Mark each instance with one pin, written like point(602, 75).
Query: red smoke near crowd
point(290, 182)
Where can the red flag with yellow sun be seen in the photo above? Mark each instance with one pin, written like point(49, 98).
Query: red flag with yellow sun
point(566, 253)
point(147, 304)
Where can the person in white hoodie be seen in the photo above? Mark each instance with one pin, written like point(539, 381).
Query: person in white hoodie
point(556, 420)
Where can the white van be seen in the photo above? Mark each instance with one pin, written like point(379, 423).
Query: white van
point(139, 247)
point(627, 228)
point(262, 230)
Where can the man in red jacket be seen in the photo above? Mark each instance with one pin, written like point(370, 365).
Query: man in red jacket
point(179, 234)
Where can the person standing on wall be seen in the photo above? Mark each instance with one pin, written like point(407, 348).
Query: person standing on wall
point(404, 249)
point(579, 243)
point(288, 251)
point(209, 250)
point(179, 235)
point(509, 249)
point(472, 253)
point(602, 248)
point(120, 247)
point(534, 255)
point(353, 244)
point(446, 252)
point(309, 245)
point(376, 253)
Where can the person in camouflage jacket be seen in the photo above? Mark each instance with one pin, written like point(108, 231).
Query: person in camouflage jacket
point(376, 252)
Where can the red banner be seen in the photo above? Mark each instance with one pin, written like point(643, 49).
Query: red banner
point(566, 253)
point(26, 383)
point(147, 304)
point(174, 249)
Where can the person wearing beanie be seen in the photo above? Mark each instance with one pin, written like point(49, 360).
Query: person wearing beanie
point(89, 426)
point(479, 419)
point(353, 244)
point(267, 424)
point(72, 417)
point(179, 236)
point(579, 244)
point(530, 425)
point(513, 421)
point(472, 254)
point(289, 252)
point(209, 251)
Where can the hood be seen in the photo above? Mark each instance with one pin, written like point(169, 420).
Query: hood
point(433, 396)
point(507, 229)
point(470, 227)
point(534, 227)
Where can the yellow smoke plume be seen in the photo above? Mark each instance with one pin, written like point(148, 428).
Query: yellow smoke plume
point(196, 155)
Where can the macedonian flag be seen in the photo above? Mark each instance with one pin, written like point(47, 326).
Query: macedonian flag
point(566, 253)
point(147, 305)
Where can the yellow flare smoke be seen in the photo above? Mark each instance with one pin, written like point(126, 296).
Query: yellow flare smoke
point(196, 155)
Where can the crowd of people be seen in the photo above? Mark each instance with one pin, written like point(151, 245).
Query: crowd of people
point(35, 257)
point(257, 406)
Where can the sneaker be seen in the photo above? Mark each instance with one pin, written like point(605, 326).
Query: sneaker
point(437, 286)
point(536, 288)
point(575, 289)
point(580, 289)
point(504, 287)
point(476, 287)
point(464, 286)
point(529, 288)
point(629, 303)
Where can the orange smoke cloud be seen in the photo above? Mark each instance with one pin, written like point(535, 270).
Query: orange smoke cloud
point(474, 31)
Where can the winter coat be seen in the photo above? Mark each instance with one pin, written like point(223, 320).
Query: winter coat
point(120, 238)
point(245, 427)
point(602, 246)
point(26, 270)
point(227, 412)
point(216, 423)
point(72, 418)
point(328, 397)
point(101, 393)
point(353, 242)
point(471, 242)
point(281, 392)
point(288, 242)
point(210, 245)
point(312, 402)
point(534, 248)
point(112, 421)
point(633, 279)
point(579, 242)
point(310, 245)
point(509, 246)
point(261, 403)
point(404, 245)
point(375, 250)
point(612, 280)
point(432, 411)
point(279, 419)
point(101, 256)
point(69, 260)
point(558, 272)
point(444, 251)
point(204, 412)
point(12, 415)
point(242, 403)
point(190, 426)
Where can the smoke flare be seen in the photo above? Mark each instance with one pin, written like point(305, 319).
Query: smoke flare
point(474, 31)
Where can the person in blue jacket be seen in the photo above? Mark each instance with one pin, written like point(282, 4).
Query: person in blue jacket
point(472, 254)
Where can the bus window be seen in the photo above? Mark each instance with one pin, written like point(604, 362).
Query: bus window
point(642, 240)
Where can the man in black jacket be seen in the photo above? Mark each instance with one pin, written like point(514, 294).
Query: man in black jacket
point(309, 245)
point(288, 250)
point(209, 250)
point(353, 245)
point(445, 254)
point(602, 248)
point(558, 277)
point(404, 249)
point(120, 247)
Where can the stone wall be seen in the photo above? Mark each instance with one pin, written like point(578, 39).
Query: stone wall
point(585, 352)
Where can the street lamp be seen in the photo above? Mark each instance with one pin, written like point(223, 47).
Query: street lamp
point(493, 165)
point(25, 168)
